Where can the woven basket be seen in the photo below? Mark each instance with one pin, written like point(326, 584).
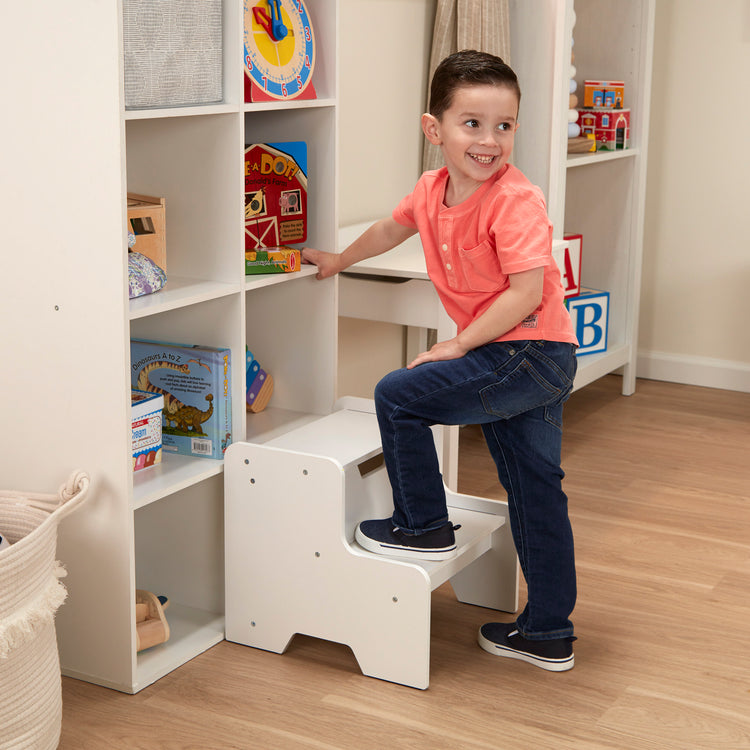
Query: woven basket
point(30, 593)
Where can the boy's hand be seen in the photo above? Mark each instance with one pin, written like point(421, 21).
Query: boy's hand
point(328, 263)
point(443, 350)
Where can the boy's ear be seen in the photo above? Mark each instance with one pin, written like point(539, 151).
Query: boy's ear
point(431, 129)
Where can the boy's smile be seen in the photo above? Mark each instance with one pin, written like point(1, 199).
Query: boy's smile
point(476, 135)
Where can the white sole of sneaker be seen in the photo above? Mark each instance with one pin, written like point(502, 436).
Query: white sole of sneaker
point(407, 553)
point(551, 665)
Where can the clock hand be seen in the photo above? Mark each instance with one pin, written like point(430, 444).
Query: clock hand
point(262, 19)
point(277, 25)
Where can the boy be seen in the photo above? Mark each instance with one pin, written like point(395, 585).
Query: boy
point(487, 243)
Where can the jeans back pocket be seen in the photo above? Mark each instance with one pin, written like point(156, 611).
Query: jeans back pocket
point(527, 383)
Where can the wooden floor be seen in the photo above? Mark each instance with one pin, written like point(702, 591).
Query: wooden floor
point(660, 503)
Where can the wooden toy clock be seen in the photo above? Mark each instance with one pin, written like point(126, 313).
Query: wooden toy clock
point(279, 51)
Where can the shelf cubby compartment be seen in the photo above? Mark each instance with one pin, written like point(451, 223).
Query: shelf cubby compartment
point(202, 323)
point(323, 14)
point(193, 163)
point(179, 553)
point(317, 127)
point(290, 330)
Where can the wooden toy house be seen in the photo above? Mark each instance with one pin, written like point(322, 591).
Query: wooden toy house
point(611, 127)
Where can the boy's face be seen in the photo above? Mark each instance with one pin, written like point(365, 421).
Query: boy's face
point(476, 133)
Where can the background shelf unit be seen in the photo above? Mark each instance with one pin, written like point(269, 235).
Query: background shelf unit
point(161, 529)
point(599, 195)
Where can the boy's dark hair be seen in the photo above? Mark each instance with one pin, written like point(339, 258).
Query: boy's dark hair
point(468, 67)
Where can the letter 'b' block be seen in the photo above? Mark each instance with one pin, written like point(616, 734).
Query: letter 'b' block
point(590, 314)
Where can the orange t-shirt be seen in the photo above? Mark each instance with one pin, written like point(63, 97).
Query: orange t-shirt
point(471, 248)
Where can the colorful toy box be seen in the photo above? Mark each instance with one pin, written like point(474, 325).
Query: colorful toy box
point(611, 127)
point(590, 314)
point(145, 415)
point(272, 260)
point(195, 382)
point(567, 255)
point(275, 195)
point(609, 94)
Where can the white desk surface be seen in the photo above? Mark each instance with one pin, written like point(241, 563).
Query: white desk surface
point(404, 261)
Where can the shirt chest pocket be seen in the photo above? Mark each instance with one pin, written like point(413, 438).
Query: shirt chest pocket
point(481, 268)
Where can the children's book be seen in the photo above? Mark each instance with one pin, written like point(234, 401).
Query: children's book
point(145, 415)
point(195, 382)
point(275, 194)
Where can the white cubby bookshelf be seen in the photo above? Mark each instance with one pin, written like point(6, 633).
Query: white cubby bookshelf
point(161, 529)
point(599, 195)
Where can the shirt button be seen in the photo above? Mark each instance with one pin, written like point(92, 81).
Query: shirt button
point(448, 266)
point(445, 248)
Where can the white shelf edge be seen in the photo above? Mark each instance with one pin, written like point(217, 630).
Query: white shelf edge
point(597, 157)
point(192, 631)
point(174, 473)
point(257, 281)
point(191, 110)
point(591, 367)
point(289, 104)
point(179, 291)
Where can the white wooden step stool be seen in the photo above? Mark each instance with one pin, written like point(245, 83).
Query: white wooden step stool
point(292, 565)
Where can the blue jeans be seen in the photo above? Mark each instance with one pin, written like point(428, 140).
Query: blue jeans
point(515, 390)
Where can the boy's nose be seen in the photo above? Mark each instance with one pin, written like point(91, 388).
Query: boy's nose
point(487, 137)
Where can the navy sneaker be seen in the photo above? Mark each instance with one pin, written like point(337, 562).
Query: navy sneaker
point(384, 538)
point(503, 639)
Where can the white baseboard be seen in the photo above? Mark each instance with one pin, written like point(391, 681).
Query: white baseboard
point(703, 371)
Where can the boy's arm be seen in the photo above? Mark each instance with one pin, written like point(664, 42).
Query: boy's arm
point(517, 302)
point(382, 236)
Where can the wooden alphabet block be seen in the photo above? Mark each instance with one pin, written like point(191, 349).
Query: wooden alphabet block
point(567, 255)
point(590, 314)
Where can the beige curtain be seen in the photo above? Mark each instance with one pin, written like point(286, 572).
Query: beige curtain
point(466, 24)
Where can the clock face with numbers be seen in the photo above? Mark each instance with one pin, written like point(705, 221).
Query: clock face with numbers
point(279, 50)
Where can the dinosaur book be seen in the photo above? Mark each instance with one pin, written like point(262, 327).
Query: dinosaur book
point(195, 382)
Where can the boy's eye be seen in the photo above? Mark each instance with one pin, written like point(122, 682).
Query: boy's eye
point(504, 126)
point(472, 123)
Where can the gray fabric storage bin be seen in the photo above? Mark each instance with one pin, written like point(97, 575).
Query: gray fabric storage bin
point(173, 52)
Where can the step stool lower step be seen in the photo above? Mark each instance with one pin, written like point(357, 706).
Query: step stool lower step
point(473, 539)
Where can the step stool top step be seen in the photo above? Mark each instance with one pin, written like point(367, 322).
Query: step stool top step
point(345, 436)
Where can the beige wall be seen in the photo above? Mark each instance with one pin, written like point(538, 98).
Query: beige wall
point(383, 82)
point(695, 303)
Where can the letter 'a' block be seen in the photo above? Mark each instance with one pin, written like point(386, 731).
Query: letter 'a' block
point(590, 314)
point(567, 255)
